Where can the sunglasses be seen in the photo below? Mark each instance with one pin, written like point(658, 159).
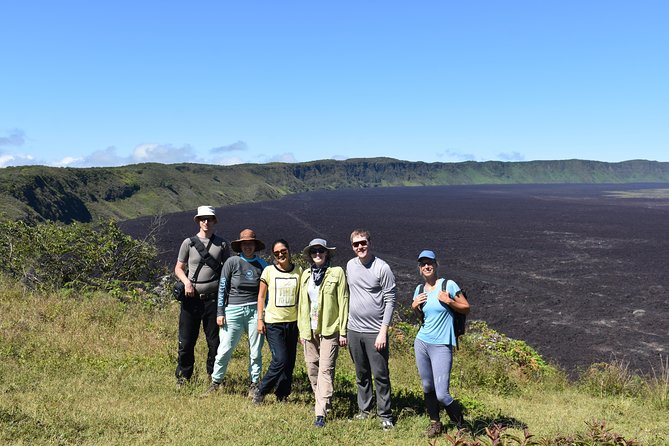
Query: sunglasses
point(207, 219)
point(422, 264)
point(281, 252)
point(360, 243)
point(317, 251)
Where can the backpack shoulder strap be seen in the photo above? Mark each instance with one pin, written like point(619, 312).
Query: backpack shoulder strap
point(204, 253)
point(205, 257)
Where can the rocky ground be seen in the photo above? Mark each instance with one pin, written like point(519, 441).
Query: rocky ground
point(578, 272)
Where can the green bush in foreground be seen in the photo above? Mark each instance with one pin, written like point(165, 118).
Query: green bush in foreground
point(54, 256)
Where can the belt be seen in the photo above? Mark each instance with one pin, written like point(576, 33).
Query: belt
point(207, 296)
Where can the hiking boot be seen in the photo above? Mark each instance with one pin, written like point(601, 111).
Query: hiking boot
point(213, 388)
point(387, 425)
point(253, 387)
point(320, 422)
point(362, 415)
point(258, 397)
point(454, 411)
point(182, 382)
point(435, 429)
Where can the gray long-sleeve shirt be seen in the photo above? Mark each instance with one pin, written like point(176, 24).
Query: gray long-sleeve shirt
point(240, 280)
point(372, 289)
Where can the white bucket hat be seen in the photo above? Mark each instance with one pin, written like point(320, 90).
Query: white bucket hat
point(319, 242)
point(205, 211)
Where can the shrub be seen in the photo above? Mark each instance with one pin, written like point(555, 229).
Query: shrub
point(79, 257)
point(512, 352)
point(608, 379)
point(658, 385)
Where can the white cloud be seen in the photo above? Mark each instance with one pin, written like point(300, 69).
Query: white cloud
point(5, 160)
point(454, 156)
point(234, 147)
point(67, 161)
point(511, 156)
point(286, 157)
point(15, 138)
point(8, 159)
point(164, 153)
point(105, 157)
point(229, 161)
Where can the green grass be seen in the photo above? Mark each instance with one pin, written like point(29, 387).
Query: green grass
point(92, 370)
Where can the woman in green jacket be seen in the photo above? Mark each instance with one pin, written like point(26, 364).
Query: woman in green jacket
point(322, 316)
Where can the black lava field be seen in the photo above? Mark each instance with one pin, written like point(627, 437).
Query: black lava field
point(579, 273)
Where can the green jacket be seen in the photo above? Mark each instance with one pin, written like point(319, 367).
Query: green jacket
point(332, 304)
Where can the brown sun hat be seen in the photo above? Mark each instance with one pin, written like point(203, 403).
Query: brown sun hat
point(247, 235)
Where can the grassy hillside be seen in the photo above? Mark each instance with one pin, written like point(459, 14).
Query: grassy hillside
point(37, 193)
point(92, 370)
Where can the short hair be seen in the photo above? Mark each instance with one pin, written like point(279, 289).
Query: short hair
point(361, 233)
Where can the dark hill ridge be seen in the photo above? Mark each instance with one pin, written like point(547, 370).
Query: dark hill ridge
point(38, 193)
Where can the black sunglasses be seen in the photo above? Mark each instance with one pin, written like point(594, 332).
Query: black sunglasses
point(209, 219)
point(313, 251)
point(281, 252)
point(360, 243)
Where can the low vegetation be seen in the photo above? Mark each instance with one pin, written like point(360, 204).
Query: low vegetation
point(79, 257)
point(93, 365)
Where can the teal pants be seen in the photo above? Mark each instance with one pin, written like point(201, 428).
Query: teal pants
point(239, 320)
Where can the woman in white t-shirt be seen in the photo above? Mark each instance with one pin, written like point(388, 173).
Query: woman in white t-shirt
point(277, 320)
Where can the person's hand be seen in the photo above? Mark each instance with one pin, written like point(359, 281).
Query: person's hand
point(261, 326)
point(444, 297)
point(302, 341)
point(381, 338)
point(189, 289)
point(220, 320)
point(343, 341)
point(419, 300)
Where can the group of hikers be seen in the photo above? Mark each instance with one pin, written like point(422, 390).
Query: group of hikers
point(322, 307)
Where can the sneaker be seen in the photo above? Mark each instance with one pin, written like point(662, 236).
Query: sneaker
point(362, 415)
point(182, 382)
point(320, 422)
point(213, 388)
point(258, 397)
point(253, 387)
point(434, 430)
point(387, 425)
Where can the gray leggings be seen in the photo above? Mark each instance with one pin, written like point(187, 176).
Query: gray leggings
point(434, 367)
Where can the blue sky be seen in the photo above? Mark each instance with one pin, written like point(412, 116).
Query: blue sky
point(102, 83)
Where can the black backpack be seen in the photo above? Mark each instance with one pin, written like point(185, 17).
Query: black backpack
point(459, 319)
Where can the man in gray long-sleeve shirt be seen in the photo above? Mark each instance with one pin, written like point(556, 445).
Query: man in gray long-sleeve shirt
point(372, 301)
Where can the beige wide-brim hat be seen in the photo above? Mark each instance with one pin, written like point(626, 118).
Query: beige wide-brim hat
point(318, 242)
point(247, 235)
point(205, 211)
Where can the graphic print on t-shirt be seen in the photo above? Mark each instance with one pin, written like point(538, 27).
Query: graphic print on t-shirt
point(285, 291)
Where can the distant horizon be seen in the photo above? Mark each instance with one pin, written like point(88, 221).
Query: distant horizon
point(103, 84)
point(344, 160)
